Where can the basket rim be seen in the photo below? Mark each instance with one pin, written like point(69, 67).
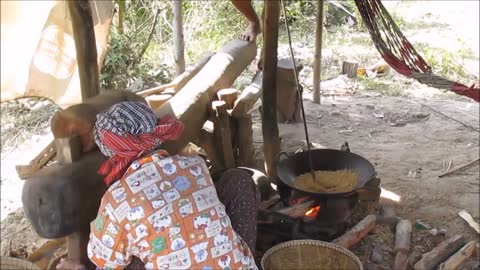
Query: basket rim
point(302, 242)
point(18, 263)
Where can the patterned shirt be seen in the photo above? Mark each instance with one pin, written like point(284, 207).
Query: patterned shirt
point(165, 210)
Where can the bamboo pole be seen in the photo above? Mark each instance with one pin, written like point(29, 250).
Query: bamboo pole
point(271, 140)
point(317, 66)
point(178, 42)
point(85, 46)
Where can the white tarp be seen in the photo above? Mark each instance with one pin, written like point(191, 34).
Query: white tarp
point(38, 56)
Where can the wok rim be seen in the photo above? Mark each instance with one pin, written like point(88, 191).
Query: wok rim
point(326, 194)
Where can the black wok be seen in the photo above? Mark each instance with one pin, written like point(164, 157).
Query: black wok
point(293, 165)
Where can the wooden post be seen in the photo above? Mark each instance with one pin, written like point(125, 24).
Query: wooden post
point(271, 140)
point(85, 46)
point(244, 135)
point(317, 66)
point(223, 133)
point(178, 43)
point(69, 151)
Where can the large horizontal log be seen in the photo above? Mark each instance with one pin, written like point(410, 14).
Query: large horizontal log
point(191, 103)
point(61, 199)
point(179, 81)
point(79, 119)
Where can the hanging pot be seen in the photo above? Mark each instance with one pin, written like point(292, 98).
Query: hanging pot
point(290, 166)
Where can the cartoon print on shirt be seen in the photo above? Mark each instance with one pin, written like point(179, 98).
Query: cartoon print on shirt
point(181, 183)
point(143, 245)
point(158, 244)
point(135, 165)
point(142, 178)
point(176, 237)
point(202, 221)
point(108, 212)
point(152, 191)
point(141, 231)
point(205, 198)
point(171, 195)
point(112, 229)
point(221, 210)
point(188, 161)
point(119, 194)
point(164, 161)
point(165, 185)
point(220, 238)
point(108, 241)
point(158, 203)
point(161, 224)
point(169, 168)
point(119, 258)
point(200, 251)
point(98, 223)
point(224, 261)
point(225, 222)
point(179, 259)
point(185, 207)
point(135, 214)
point(201, 180)
point(196, 170)
point(149, 266)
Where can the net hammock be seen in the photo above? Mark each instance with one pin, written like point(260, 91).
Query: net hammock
point(399, 53)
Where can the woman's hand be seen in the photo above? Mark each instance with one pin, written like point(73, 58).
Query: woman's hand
point(68, 264)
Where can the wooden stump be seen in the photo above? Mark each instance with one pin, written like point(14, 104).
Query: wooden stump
point(288, 102)
point(229, 95)
point(350, 68)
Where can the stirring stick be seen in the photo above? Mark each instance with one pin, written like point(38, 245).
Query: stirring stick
point(310, 162)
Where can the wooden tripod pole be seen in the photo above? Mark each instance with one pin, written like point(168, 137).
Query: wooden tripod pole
point(317, 66)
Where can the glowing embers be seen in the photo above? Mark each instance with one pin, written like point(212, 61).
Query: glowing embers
point(313, 212)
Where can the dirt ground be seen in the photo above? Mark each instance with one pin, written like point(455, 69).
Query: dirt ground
point(408, 144)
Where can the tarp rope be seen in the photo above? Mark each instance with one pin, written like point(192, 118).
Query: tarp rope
point(399, 53)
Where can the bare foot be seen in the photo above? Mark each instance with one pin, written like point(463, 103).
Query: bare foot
point(250, 34)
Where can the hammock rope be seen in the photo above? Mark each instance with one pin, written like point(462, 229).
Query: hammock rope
point(399, 53)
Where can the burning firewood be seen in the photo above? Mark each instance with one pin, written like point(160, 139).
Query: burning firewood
point(297, 210)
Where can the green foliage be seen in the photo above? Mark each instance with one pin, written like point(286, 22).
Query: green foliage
point(123, 63)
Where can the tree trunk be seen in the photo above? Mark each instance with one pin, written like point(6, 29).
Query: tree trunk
point(85, 46)
point(178, 43)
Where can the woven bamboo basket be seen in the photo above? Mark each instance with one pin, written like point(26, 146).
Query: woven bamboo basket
point(10, 263)
point(310, 254)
